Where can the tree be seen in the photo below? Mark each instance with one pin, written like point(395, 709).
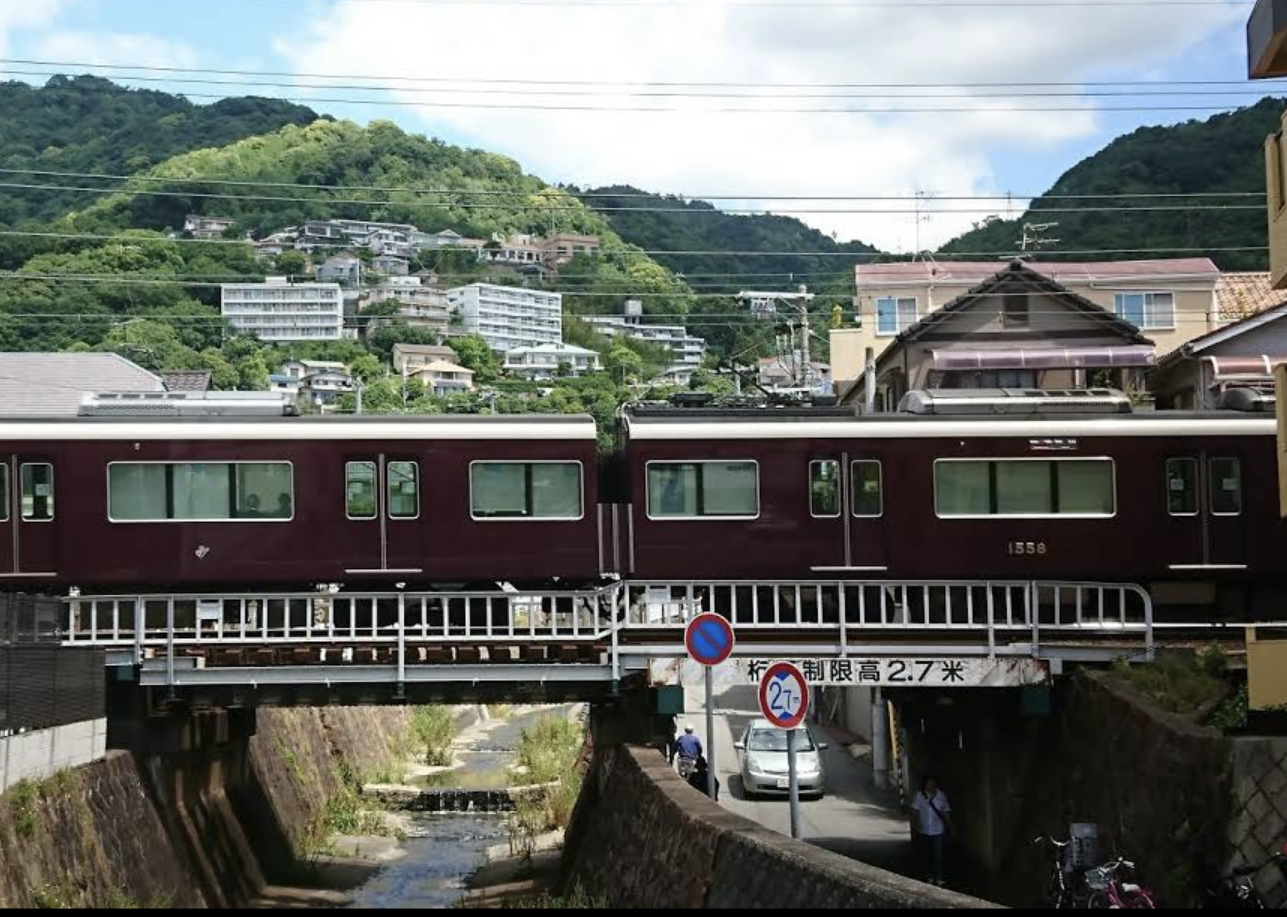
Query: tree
point(252, 374)
point(291, 264)
point(224, 376)
point(622, 363)
point(474, 353)
point(368, 368)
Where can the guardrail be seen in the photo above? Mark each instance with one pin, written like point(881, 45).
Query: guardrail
point(998, 613)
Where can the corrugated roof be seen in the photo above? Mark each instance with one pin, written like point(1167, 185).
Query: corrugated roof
point(1241, 295)
point(875, 275)
point(54, 384)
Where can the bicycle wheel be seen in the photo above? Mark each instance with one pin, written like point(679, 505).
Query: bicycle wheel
point(1099, 901)
point(1140, 902)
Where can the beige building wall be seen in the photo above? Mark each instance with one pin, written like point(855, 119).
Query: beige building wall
point(1276, 182)
point(1196, 313)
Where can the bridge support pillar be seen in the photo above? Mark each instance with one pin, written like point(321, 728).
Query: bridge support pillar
point(636, 717)
point(879, 740)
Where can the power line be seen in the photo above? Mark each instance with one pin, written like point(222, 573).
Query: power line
point(601, 91)
point(827, 4)
point(584, 208)
point(471, 192)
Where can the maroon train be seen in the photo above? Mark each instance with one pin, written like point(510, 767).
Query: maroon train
point(1186, 504)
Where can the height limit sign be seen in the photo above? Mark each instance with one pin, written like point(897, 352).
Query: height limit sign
point(784, 696)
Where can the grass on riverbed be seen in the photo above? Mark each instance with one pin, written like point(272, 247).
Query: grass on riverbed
point(549, 753)
point(433, 730)
point(1182, 683)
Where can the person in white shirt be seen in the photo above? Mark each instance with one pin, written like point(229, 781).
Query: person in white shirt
point(932, 821)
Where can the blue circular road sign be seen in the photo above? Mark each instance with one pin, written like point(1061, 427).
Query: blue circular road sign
point(709, 639)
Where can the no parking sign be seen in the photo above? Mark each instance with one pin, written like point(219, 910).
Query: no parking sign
point(784, 696)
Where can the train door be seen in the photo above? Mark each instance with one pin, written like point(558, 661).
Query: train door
point(27, 537)
point(847, 508)
point(1205, 503)
point(382, 506)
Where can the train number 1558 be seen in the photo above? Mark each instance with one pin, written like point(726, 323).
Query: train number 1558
point(1026, 548)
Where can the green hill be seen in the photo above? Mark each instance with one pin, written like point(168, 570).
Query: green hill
point(1222, 154)
point(88, 124)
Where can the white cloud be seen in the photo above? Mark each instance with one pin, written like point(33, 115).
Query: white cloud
point(702, 152)
point(16, 15)
point(115, 48)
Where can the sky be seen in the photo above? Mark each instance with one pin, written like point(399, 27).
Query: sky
point(449, 68)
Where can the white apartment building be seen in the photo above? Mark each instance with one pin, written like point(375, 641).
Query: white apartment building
point(547, 361)
point(419, 305)
point(281, 311)
point(508, 318)
point(689, 351)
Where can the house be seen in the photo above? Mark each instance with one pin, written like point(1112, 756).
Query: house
point(391, 265)
point(284, 383)
point(299, 370)
point(325, 388)
point(1170, 300)
point(281, 311)
point(408, 358)
point(689, 351)
point(549, 361)
point(344, 269)
point(189, 380)
point(792, 374)
point(508, 317)
point(419, 305)
point(207, 228)
point(55, 384)
point(443, 377)
point(1016, 329)
point(1241, 354)
point(557, 250)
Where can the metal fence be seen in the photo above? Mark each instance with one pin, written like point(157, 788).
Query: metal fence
point(28, 619)
point(43, 686)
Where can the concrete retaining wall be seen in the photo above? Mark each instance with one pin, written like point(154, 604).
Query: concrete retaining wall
point(642, 838)
point(41, 754)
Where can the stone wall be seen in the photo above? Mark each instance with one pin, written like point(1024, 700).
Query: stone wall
point(1185, 803)
point(642, 838)
point(41, 754)
point(209, 827)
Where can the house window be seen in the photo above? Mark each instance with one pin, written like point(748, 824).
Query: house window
point(1147, 311)
point(697, 490)
point(526, 490)
point(895, 315)
point(193, 492)
point(1276, 164)
point(824, 489)
point(1226, 487)
point(868, 490)
point(1182, 486)
point(404, 490)
point(969, 488)
point(37, 493)
point(1014, 311)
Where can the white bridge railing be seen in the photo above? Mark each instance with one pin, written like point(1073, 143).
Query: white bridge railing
point(983, 614)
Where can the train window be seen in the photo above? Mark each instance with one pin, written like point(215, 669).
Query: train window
point(868, 490)
point(200, 492)
point(697, 490)
point(38, 493)
point(1025, 488)
point(404, 490)
point(1182, 486)
point(359, 490)
point(824, 489)
point(526, 490)
point(1226, 487)
point(4, 493)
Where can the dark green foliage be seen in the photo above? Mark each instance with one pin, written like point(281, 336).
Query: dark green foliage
point(1223, 154)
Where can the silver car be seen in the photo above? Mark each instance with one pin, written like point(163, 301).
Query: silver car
point(765, 771)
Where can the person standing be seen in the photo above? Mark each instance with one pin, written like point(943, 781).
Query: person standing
point(932, 820)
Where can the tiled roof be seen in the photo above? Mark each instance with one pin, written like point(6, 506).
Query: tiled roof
point(1244, 295)
point(188, 380)
point(54, 384)
point(875, 275)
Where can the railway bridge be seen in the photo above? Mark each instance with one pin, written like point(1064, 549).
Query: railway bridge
point(257, 648)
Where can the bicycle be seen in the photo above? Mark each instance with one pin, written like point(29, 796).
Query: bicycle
point(1109, 893)
point(1059, 894)
point(1237, 891)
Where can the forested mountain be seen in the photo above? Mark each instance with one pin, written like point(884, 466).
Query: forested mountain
point(1222, 154)
point(88, 124)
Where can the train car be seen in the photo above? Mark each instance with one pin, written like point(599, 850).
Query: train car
point(970, 486)
point(150, 504)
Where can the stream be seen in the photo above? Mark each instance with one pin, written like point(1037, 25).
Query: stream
point(442, 851)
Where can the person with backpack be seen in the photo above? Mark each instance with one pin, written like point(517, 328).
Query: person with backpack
point(932, 823)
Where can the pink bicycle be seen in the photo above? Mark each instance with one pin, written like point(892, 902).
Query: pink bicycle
point(1110, 892)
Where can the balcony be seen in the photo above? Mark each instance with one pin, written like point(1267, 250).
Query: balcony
point(1267, 40)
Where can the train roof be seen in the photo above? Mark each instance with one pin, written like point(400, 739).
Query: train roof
point(566, 427)
point(663, 423)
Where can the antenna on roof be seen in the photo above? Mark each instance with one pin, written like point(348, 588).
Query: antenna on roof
point(1033, 239)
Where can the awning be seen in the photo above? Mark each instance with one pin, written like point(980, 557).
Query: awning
point(1132, 356)
point(1225, 369)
